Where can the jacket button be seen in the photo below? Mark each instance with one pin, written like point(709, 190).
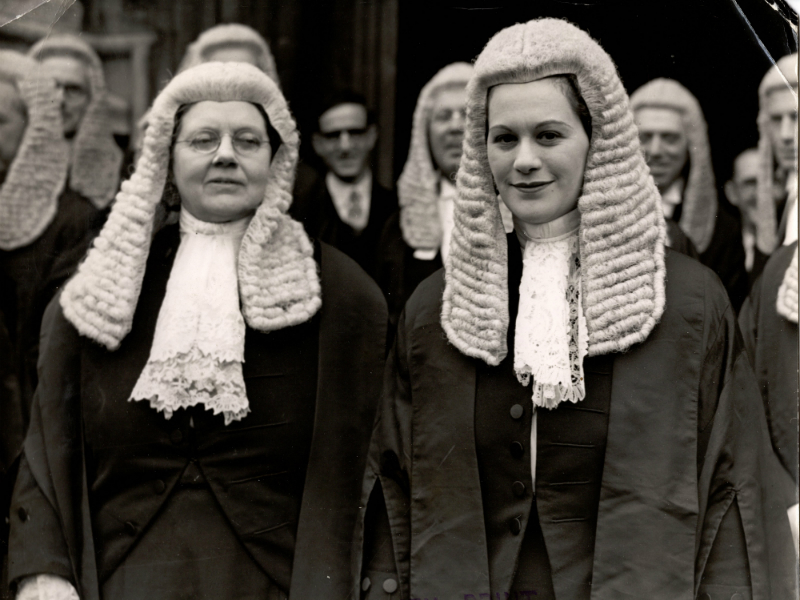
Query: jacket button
point(516, 411)
point(736, 596)
point(390, 586)
point(159, 486)
point(515, 525)
point(176, 436)
point(518, 488)
point(22, 514)
point(517, 449)
point(365, 584)
point(131, 528)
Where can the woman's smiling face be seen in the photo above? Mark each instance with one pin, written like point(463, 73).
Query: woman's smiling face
point(227, 183)
point(537, 149)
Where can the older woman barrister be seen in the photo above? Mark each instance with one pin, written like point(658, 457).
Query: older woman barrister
point(568, 411)
point(204, 398)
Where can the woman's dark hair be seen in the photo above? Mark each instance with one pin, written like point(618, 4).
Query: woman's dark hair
point(568, 84)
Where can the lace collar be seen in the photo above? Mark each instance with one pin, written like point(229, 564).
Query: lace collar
point(551, 338)
point(198, 345)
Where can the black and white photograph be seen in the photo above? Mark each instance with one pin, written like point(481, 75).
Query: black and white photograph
point(399, 300)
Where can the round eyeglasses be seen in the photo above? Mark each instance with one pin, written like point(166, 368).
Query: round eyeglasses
point(208, 142)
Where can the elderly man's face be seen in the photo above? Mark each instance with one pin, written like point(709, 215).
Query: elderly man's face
point(344, 140)
point(741, 189)
point(446, 128)
point(12, 126)
point(663, 140)
point(72, 76)
point(782, 127)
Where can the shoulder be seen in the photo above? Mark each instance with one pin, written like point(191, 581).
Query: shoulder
point(343, 279)
point(424, 307)
point(695, 297)
point(778, 262)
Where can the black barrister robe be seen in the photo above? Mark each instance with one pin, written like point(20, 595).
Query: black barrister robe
point(56, 523)
point(687, 454)
point(314, 208)
point(771, 341)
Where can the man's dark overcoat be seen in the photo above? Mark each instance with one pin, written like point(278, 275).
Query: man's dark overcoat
point(771, 341)
point(688, 500)
point(92, 486)
point(314, 208)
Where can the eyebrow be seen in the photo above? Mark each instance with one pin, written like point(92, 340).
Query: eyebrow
point(547, 123)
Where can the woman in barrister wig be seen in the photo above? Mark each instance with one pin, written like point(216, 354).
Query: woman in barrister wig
point(567, 411)
point(204, 400)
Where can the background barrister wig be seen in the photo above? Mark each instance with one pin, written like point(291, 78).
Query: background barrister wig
point(781, 75)
point(278, 280)
point(96, 157)
point(418, 186)
point(700, 194)
point(622, 228)
point(36, 177)
point(231, 35)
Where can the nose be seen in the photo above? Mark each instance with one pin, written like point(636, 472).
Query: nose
point(527, 158)
point(788, 127)
point(457, 121)
point(654, 146)
point(225, 155)
point(345, 142)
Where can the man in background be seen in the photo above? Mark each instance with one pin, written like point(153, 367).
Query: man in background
point(741, 192)
point(674, 136)
point(346, 208)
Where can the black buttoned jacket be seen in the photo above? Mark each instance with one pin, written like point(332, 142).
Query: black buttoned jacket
point(690, 489)
point(97, 468)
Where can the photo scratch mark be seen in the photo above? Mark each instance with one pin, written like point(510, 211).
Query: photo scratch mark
point(445, 456)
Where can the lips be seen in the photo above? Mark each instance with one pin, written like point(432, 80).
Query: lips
point(531, 186)
point(225, 181)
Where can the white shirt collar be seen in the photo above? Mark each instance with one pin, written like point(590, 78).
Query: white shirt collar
point(341, 192)
point(672, 197)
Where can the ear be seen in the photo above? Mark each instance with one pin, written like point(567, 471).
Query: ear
point(730, 192)
point(316, 143)
point(371, 136)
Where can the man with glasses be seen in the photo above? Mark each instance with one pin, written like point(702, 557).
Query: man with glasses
point(347, 208)
point(94, 170)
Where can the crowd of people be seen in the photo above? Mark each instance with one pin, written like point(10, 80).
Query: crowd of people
point(551, 364)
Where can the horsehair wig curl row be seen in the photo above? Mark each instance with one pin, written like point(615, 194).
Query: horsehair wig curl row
point(96, 157)
point(622, 228)
point(278, 280)
point(37, 175)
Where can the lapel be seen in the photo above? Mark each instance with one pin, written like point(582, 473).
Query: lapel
point(351, 356)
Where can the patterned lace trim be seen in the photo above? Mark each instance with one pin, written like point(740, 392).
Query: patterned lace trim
point(551, 335)
point(190, 378)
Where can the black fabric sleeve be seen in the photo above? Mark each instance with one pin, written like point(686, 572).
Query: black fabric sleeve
point(36, 543)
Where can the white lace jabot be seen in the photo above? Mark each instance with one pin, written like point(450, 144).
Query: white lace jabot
point(198, 345)
point(551, 338)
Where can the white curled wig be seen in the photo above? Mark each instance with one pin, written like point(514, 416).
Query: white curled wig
point(781, 75)
point(96, 158)
point(700, 194)
point(278, 280)
point(226, 36)
point(622, 229)
point(418, 186)
point(36, 177)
